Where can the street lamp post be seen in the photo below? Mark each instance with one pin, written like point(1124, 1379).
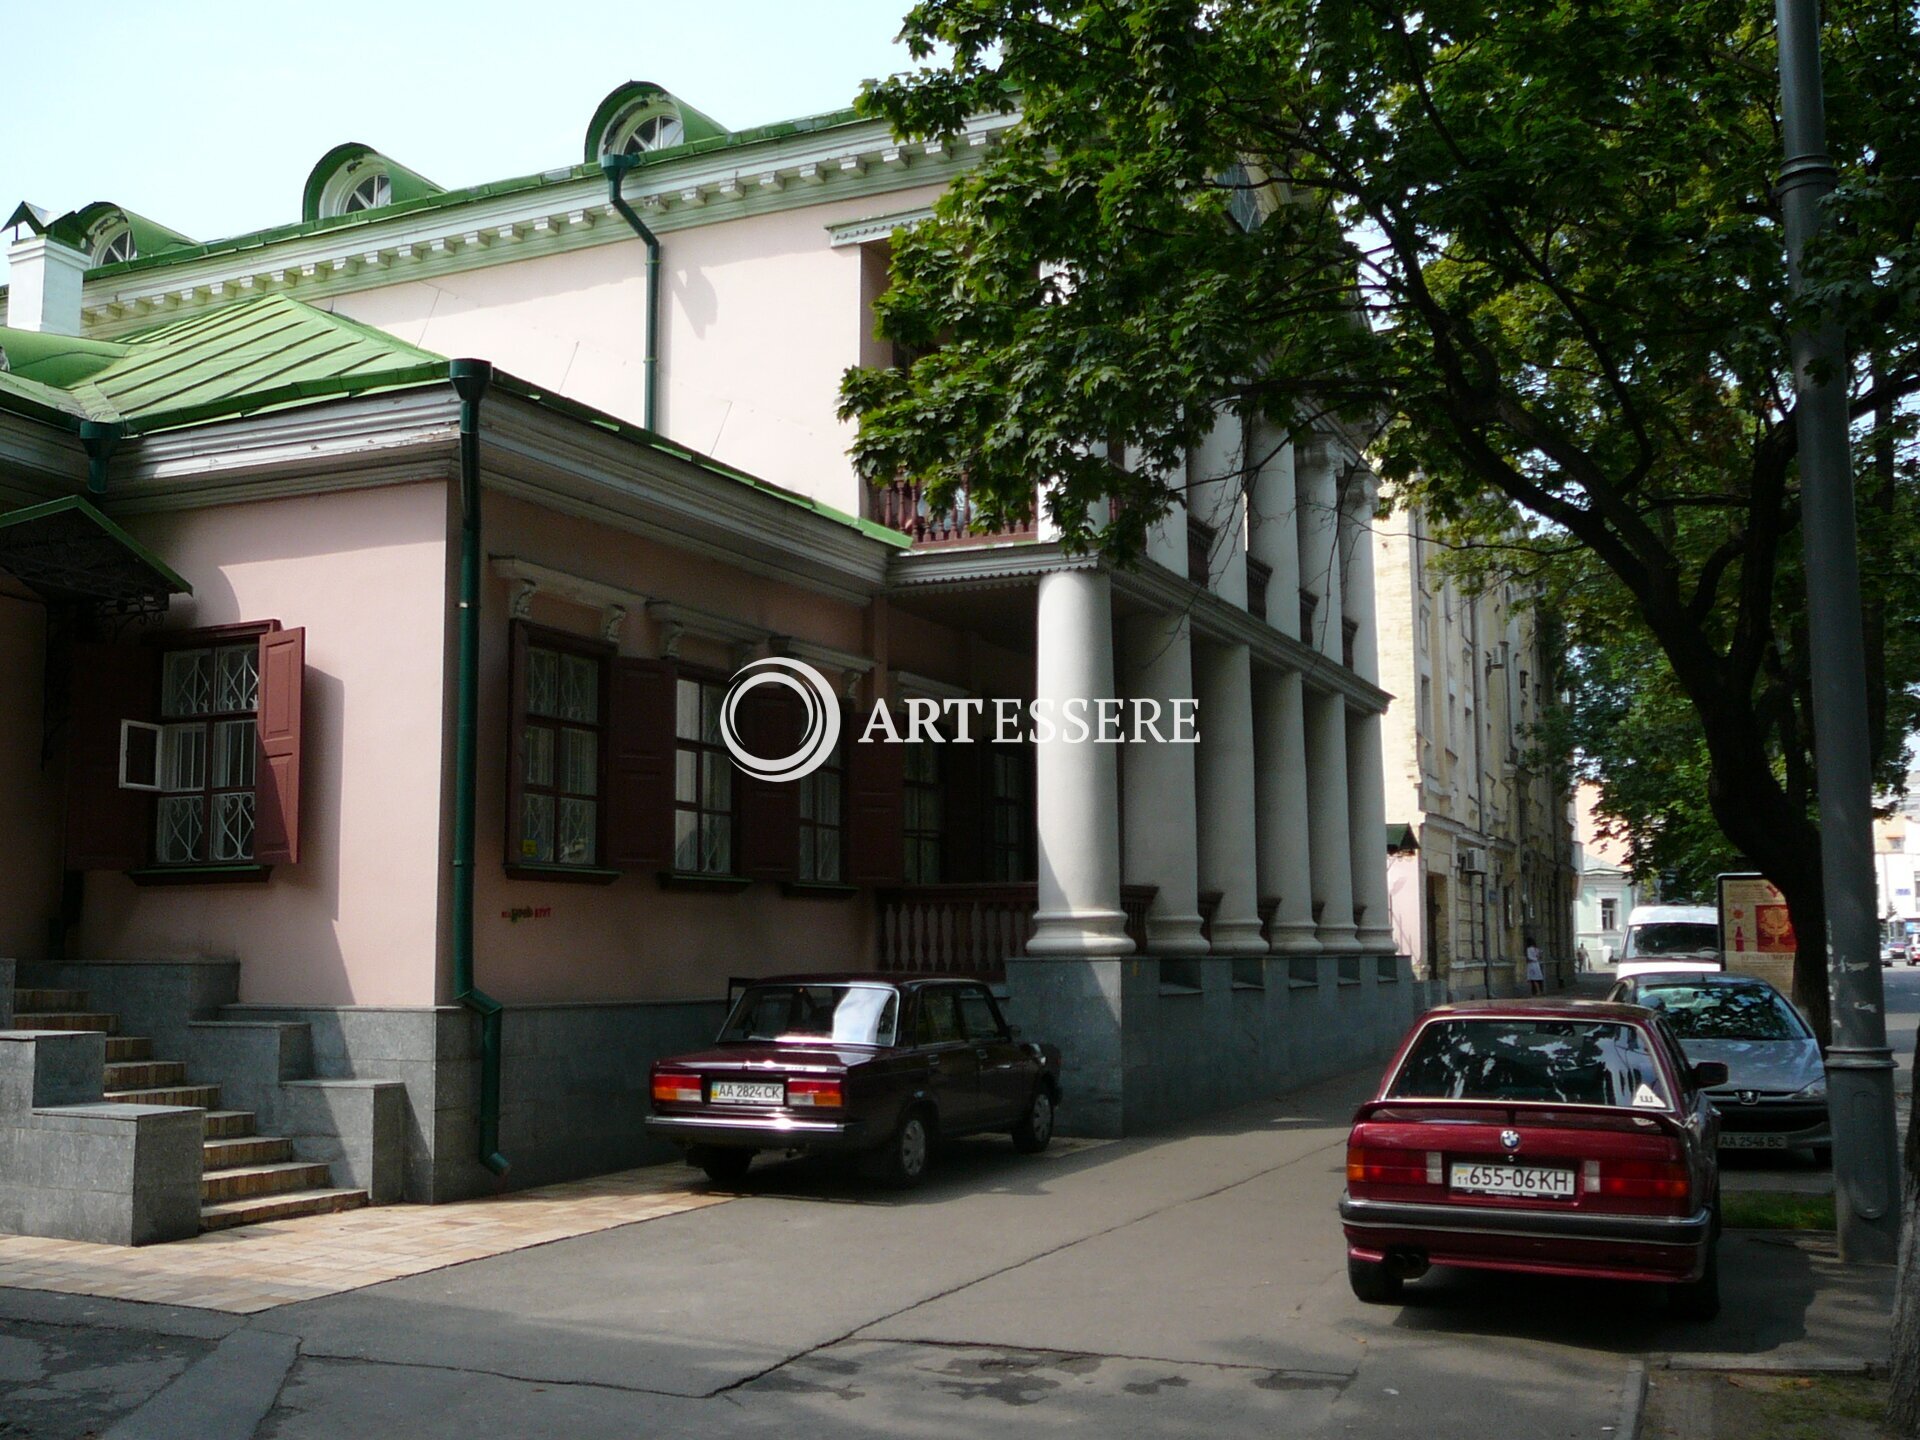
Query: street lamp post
point(1859, 1064)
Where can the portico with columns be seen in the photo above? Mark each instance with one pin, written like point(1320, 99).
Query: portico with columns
point(1220, 904)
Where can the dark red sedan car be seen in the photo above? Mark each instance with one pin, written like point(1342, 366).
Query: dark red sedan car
point(877, 1065)
point(1565, 1138)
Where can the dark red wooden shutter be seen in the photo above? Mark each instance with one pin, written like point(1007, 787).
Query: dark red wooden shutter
point(639, 820)
point(276, 810)
point(966, 842)
point(876, 812)
point(771, 721)
point(516, 740)
point(107, 828)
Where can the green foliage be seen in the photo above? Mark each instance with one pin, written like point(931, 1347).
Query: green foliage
point(1533, 248)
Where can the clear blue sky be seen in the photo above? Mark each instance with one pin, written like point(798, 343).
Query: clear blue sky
point(206, 115)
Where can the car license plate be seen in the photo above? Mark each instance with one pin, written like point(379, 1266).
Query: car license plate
point(1740, 1140)
point(1511, 1180)
point(748, 1092)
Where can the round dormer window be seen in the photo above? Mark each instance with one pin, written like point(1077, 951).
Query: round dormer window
point(113, 243)
point(362, 185)
point(369, 194)
point(651, 130)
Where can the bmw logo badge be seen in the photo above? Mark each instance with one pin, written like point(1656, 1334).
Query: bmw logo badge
point(1510, 1139)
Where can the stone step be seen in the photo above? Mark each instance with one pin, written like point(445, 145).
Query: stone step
point(129, 1047)
point(242, 1182)
point(279, 1207)
point(144, 1074)
point(65, 1020)
point(36, 999)
point(228, 1124)
point(223, 1154)
point(206, 1096)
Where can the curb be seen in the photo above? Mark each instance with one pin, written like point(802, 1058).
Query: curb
point(1633, 1402)
point(1783, 1365)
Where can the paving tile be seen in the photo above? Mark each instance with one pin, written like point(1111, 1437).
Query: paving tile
point(257, 1267)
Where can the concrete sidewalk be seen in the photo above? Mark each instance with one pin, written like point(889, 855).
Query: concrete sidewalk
point(1186, 1284)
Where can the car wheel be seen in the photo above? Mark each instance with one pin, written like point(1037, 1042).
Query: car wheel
point(1035, 1130)
point(904, 1158)
point(1700, 1299)
point(723, 1167)
point(1372, 1282)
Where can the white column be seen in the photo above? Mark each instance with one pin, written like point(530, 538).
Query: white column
point(1226, 777)
point(1216, 495)
point(1280, 805)
point(1329, 820)
point(1076, 785)
point(1366, 764)
point(1273, 529)
point(1158, 807)
point(1319, 501)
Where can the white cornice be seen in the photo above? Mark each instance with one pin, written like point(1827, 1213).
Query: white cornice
point(785, 173)
point(858, 232)
point(34, 454)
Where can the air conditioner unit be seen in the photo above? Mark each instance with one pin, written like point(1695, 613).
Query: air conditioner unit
point(1473, 860)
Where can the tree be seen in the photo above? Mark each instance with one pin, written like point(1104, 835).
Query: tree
point(1539, 240)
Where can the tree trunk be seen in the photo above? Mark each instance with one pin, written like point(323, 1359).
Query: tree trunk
point(1903, 1401)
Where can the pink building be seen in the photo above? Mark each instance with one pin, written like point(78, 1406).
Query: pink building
point(240, 477)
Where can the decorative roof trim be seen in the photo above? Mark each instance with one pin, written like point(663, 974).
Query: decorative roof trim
point(859, 232)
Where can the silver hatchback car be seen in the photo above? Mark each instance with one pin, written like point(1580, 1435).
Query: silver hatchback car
point(1775, 1097)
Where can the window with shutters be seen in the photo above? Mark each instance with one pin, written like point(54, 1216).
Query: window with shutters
point(702, 781)
point(185, 753)
point(204, 810)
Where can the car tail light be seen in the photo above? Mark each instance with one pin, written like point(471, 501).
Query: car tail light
point(671, 1088)
point(1637, 1179)
point(814, 1092)
point(1369, 1166)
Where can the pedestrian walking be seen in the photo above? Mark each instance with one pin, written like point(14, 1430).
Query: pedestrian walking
point(1536, 977)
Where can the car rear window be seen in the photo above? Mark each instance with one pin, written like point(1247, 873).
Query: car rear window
point(1572, 1062)
point(1725, 1012)
point(810, 1014)
point(1674, 938)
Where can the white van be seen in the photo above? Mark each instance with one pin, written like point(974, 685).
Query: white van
point(1671, 938)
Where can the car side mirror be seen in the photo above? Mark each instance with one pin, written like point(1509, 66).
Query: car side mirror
point(1709, 1073)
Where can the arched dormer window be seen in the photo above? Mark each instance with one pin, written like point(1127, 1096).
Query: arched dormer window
point(353, 179)
point(639, 118)
point(113, 242)
point(358, 185)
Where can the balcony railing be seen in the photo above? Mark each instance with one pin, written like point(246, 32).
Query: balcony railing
point(903, 507)
point(972, 929)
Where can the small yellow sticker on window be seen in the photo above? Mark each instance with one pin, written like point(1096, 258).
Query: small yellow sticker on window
point(529, 847)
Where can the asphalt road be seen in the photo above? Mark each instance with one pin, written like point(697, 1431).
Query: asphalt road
point(1190, 1284)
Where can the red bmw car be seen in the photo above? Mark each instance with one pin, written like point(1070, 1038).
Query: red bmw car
point(1565, 1138)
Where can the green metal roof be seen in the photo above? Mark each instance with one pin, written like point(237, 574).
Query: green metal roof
point(233, 360)
point(150, 237)
point(67, 550)
point(624, 99)
point(403, 184)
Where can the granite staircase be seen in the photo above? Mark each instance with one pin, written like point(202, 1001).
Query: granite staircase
point(246, 1177)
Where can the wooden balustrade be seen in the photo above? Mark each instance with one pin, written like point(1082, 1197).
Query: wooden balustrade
point(972, 929)
point(903, 507)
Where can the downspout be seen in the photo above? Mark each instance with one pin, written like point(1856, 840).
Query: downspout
point(99, 437)
point(616, 167)
point(470, 378)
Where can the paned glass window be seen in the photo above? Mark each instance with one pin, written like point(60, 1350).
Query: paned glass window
point(822, 810)
point(560, 758)
point(1008, 815)
point(208, 703)
point(926, 813)
point(702, 781)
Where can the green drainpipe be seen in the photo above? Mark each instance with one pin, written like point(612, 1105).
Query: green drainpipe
point(99, 437)
point(616, 167)
point(470, 379)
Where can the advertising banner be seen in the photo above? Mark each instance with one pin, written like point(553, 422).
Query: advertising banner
point(1756, 929)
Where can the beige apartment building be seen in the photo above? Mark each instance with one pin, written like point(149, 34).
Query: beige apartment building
point(1479, 831)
